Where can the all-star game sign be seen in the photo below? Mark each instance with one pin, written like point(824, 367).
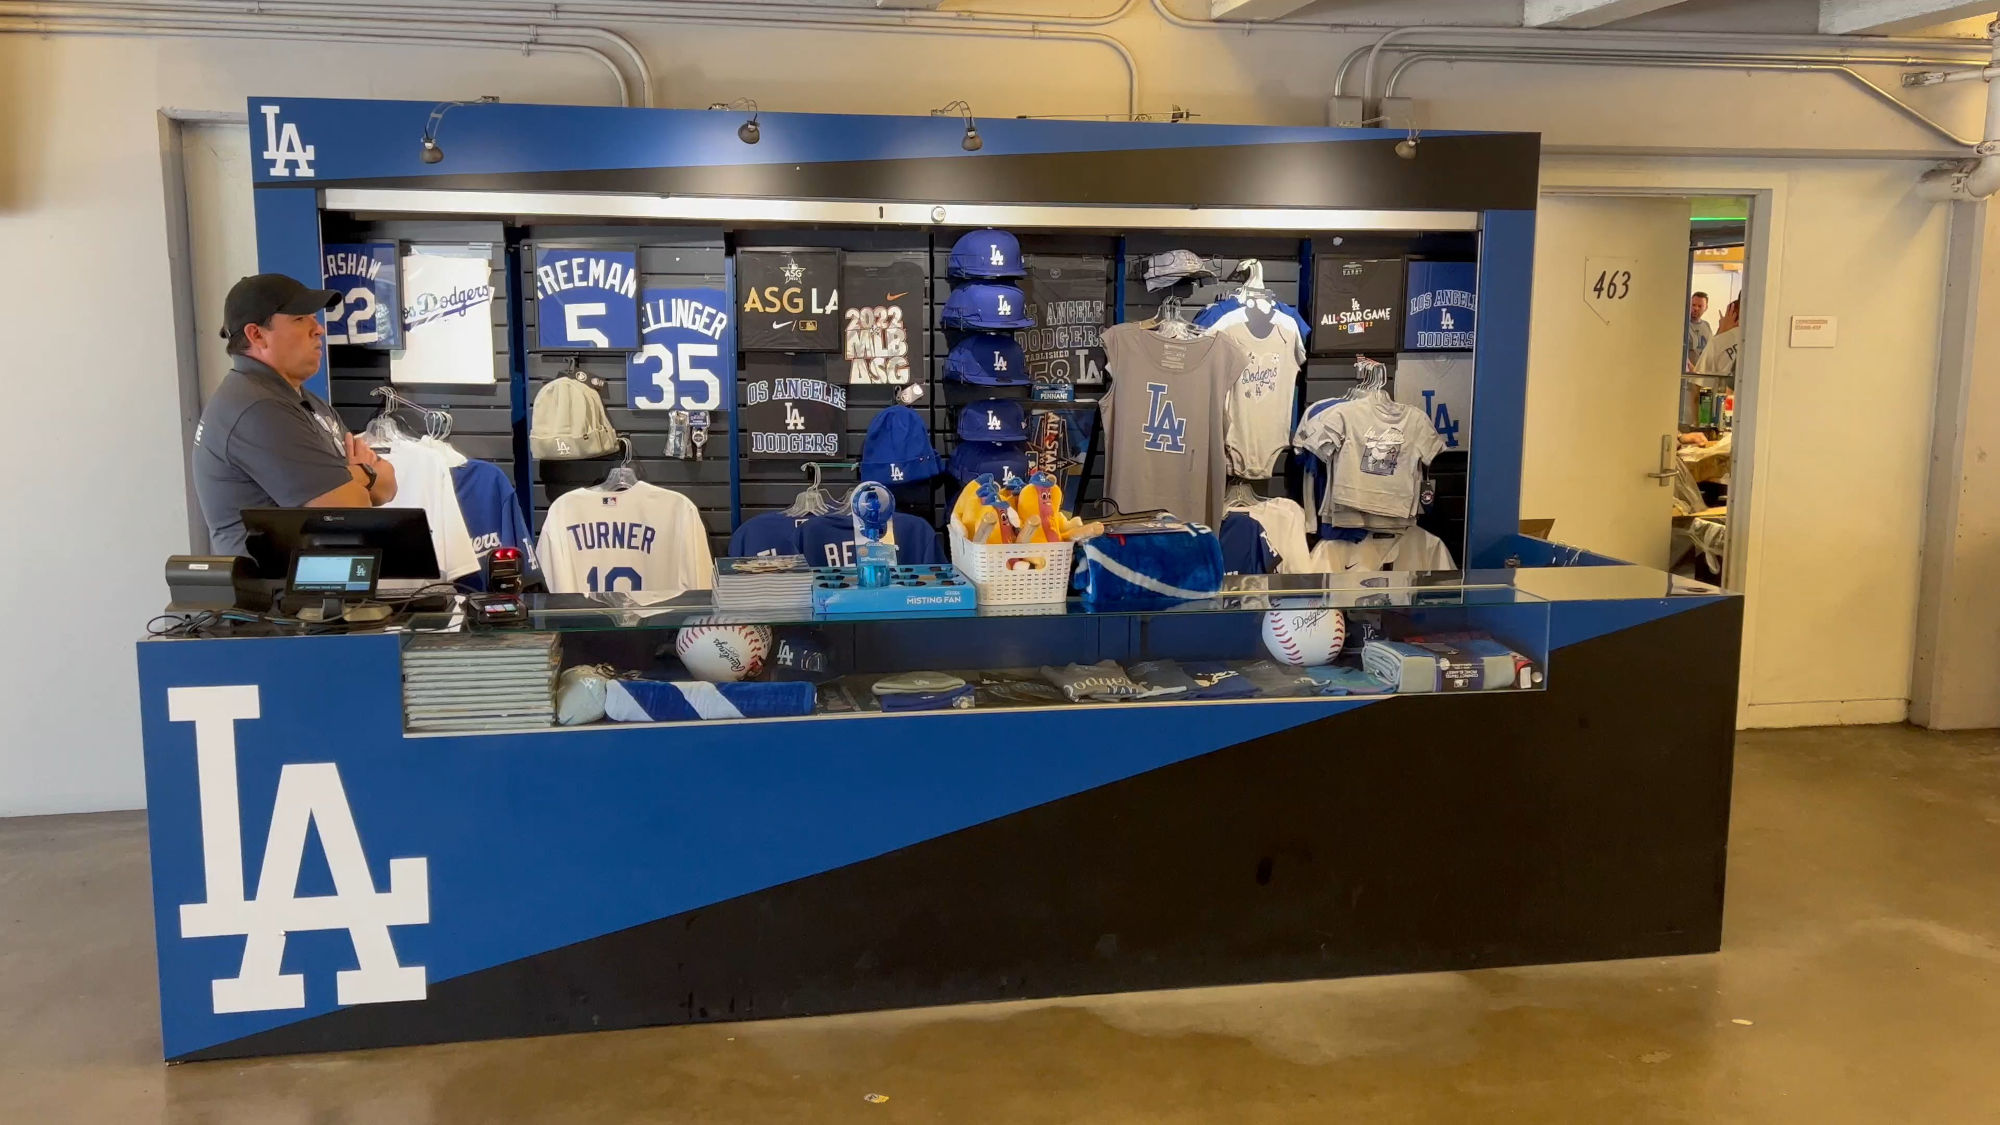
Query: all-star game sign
point(788, 300)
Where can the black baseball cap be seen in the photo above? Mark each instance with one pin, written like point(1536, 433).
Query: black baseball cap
point(259, 297)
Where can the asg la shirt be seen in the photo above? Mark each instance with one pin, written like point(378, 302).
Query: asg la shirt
point(1163, 442)
point(645, 541)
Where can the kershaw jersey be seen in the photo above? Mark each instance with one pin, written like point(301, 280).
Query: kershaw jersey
point(587, 298)
point(773, 533)
point(685, 351)
point(645, 541)
point(1258, 411)
point(829, 540)
point(364, 274)
point(493, 517)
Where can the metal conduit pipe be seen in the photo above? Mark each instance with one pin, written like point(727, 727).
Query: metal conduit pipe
point(89, 29)
point(1577, 58)
point(1834, 47)
point(486, 13)
point(253, 14)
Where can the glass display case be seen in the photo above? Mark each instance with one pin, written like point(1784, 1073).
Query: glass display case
point(605, 658)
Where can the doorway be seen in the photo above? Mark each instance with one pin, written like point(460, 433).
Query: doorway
point(1631, 396)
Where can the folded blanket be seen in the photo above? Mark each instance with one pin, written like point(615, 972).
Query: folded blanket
point(663, 701)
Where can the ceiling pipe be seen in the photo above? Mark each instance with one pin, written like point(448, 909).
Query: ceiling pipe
point(57, 26)
point(1630, 59)
point(389, 18)
point(1977, 178)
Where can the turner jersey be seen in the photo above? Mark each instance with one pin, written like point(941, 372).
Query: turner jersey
point(586, 299)
point(1259, 406)
point(883, 316)
point(685, 351)
point(788, 300)
point(829, 540)
point(646, 541)
point(364, 274)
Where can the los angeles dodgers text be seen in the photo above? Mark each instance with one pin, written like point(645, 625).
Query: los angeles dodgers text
point(586, 273)
point(811, 390)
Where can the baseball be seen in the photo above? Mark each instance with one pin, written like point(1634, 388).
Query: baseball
point(723, 653)
point(1304, 638)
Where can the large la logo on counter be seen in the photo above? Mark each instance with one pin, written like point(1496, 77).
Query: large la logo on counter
point(310, 795)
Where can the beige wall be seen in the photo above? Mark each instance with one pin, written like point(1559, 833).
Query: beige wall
point(86, 297)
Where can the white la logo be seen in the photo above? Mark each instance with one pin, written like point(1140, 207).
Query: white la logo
point(283, 146)
point(999, 362)
point(309, 795)
point(995, 257)
point(895, 472)
point(992, 421)
point(1445, 318)
point(1001, 303)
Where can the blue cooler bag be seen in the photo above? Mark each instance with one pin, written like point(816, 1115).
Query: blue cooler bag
point(1149, 566)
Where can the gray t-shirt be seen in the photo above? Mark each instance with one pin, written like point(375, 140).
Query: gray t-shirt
point(262, 444)
point(1377, 448)
point(1164, 442)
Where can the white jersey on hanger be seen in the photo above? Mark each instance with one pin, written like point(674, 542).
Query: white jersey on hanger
point(1410, 549)
point(423, 480)
point(645, 541)
point(1258, 410)
point(1284, 523)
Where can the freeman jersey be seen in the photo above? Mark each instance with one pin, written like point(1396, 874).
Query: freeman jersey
point(788, 300)
point(829, 540)
point(1259, 407)
point(586, 298)
point(645, 541)
point(685, 351)
point(884, 313)
point(364, 274)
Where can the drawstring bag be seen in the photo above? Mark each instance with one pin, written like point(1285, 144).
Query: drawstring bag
point(569, 422)
point(1149, 565)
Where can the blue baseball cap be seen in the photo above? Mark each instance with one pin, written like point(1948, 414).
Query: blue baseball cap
point(1005, 460)
point(800, 654)
point(986, 253)
point(898, 449)
point(987, 360)
point(992, 419)
point(980, 305)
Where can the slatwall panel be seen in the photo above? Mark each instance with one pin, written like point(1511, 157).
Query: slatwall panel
point(669, 257)
point(770, 485)
point(482, 417)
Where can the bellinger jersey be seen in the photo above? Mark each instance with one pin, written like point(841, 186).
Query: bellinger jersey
point(645, 541)
point(788, 300)
point(1260, 404)
point(1163, 442)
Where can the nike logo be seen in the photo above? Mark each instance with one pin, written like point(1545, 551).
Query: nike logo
point(777, 324)
point(896, 296)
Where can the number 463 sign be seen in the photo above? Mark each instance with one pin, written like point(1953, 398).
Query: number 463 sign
point(1607, 285)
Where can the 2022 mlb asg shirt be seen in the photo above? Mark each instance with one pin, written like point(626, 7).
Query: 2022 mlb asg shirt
point(882, 321)
point(1163, 441)
point(788, 300)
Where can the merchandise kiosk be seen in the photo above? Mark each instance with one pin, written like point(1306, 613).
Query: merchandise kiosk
point(330, 873)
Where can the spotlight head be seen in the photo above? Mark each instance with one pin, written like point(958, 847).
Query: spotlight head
point(1407, 148)
point(971, 143)
point(748, 132)
point(431, 153)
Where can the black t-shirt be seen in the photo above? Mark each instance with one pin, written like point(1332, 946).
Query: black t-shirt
point(788, 300)
point(791, 409)
point(1355, 302)
point(882, 324)
point(1069, 299)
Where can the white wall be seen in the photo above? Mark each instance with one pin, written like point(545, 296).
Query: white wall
point(82, 217)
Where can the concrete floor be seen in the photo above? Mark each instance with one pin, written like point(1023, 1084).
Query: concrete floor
point(1859, 982)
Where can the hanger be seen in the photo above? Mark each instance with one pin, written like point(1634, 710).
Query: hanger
point(1252, 272)
point(1374, 377)
point(1172, 323)
point(814, 500)
point(624, 476)
point(1240, 495)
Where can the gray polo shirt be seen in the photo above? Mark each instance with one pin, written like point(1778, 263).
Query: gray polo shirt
point(262, 444)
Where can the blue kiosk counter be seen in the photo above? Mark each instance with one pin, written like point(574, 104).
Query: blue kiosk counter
point(325, 878)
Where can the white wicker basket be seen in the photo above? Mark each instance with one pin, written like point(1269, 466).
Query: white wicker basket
point(1040, 572)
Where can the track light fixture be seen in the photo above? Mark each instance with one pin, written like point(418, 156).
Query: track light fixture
point(430, 152)
point(748, 132)
point(970, 142)
point(1407, 147)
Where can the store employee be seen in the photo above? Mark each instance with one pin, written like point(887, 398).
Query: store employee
point(264, 441)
